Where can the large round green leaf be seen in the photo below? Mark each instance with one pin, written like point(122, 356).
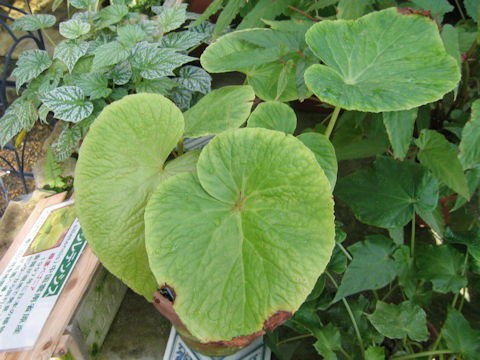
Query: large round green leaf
point(383, 61)
point(246, 238)
point(274, 115)
point(121, 162)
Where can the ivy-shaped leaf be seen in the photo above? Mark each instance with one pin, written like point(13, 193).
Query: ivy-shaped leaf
point(194, 78)
point(66, 143)
point(181, 40)
point(442, 265)
point(30, 64)
point(371, 268)
point(387, 194)
point(440, 157)
point(398, 321)
point(33, 22)
point(69, 51)
point(21, 114)
point(460, 337)
point(109, 54)
point(67, 102)
point(399, 125)
point(74, 28)
point(170, 18)
point(469, 148)
point(154, 62)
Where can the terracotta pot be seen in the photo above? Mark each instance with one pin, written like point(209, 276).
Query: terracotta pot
point(214, 348)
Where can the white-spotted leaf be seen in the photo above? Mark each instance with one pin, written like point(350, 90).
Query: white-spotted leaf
point(69, 51)
point(33, 22)
point(74, 28)
point(30, 64)
point(68, 103)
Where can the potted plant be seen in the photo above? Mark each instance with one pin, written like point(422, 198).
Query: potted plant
point(235, 235)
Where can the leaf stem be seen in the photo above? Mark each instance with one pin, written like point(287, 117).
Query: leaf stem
point(434, 346)
point(332, 121)
point(412, 240)
point(455, 298)
point(350, 314)
point(49, 39)
point(422, 354)
point(308, 16)
point(294, 338)
point(460, 10)
point(345, 354)
point(180, 147)
point(347, 254)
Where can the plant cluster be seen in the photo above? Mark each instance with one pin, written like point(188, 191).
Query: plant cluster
point(106, 54)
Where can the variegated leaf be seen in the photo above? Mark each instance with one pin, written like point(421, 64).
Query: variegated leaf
point(33, 22)
point(121, 73)
point(157, 86)
point(73, 28)
point(109, 54)
point(66, 143)
point(170, 18)
point(181, 40)
point(195, 79)
point(30, 64)
point(67, 102)
point(21, 114)
point(69, 51)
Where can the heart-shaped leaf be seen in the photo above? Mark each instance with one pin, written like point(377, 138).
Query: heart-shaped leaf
point(69, 51)
point(21, 114)
point(399, 125)
point(383, 61)
point(33, 22)
point(260, 203)
point(134, 136)
point(73, 28)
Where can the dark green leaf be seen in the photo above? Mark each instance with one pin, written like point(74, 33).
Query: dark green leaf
point(460, 337)
point(470, 238)
point(399, 125)
point(372, 266)
point(387, 194)
point(442, 265)
point(398, 321)
point(121, 73)
point(473, 180)
point(469, 147)
point(338, 261)
point(263, 10)
point(228, 13)
point(440, 157)
point(328, 340)
point(194, 79)
point(397, 235)
point(472, 8)
point(351, 9)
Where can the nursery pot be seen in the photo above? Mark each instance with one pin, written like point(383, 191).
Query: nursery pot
point(214, 348)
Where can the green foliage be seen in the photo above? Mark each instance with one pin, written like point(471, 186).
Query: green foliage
point(106, 54)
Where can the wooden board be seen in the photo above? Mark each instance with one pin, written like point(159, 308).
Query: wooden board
point(69, 298)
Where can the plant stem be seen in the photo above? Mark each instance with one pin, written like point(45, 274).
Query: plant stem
point(345, 354)
point(347, 254)
point(412, 241)
point(434, 346)
point(49, 39)
point(389, 292)
point(350, 314)
point(180, 147)
point(455, 298)
point(332, 121)
point(294, 338)
point(376, 295)
point(460, 10)
point(302, 13)
point(422, 354)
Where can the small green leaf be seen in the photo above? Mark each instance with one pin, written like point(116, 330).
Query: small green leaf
point(324, 152)
point(440, 157)
point(111, 15)
point(74, 28)
point(66, 143)
point(158, 86)
point(170, 18)
point(357, 73)
point(436, 7)
point(460, 337)
point(94, 85)
point(181, 40)
point(263, 10)
point(182, 97)
point(67, 102)
point(328, 340)
point(387, 194)
point(442, 265)
point(375, 353)
point(469, 238)
point(469, 147)
point(30, 64)
point(372, 266)
point(33, 22)
point(274, 115)
point(351, 9)
point(473, 180)
point(229, 12)
point(109, 54)
point(236, 102)
point(155, 63)
point(396, 234)
point(121, 73)
point(83, 4)
point(43, 111)
point(129, 35)
point(399, 125)
point(21, 114)
point(472, 8)
point(69, 51)
point(194, 79)
point(398, 321)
